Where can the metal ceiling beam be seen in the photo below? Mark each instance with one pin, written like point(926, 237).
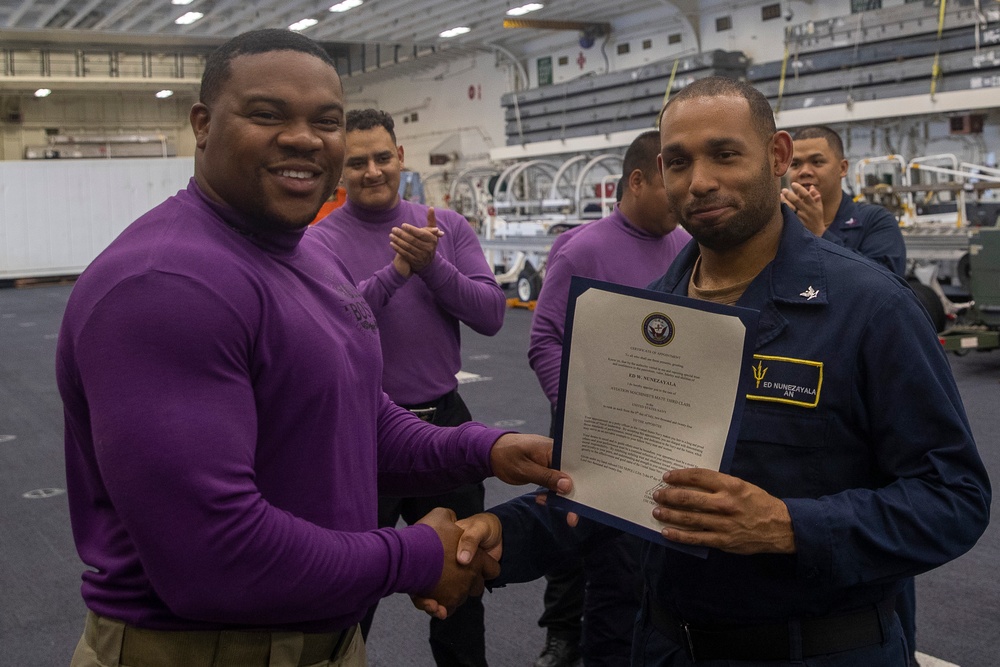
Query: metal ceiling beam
point(347, 24)
point(53, 10)
point(140, 16)
point(13, 19)
point(429, 29)
point(174, 13)
point(384, 26)
point(290, 12)
point(82, 13)
point(219, 22)
point(437, 16)
point(115, 14)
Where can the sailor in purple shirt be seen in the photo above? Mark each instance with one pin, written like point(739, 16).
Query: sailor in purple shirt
point(226, 427)
point(423, 274)
point(632, 246)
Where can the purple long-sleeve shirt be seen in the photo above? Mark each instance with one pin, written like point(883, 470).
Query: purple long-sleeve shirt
point(418, 318)
point(610, 249)
point(226, 432)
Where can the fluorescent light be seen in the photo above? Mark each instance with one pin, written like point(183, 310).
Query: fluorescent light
point(455, 32)
point(524, 9)
point(43, 92)
point(189, 18)
point(181, 2)
point(345, 5)
point(303, 24)
point(164, 94)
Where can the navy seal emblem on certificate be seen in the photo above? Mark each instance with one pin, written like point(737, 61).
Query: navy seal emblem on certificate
point(657, 329)
point(649, 382)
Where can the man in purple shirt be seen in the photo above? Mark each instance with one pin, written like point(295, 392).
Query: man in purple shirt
point(423, 274)
point(632, 246)
point(226, 428)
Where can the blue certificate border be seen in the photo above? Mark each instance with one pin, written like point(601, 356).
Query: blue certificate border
point(747, 316)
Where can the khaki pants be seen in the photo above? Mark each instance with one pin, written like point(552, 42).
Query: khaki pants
point(110, 643)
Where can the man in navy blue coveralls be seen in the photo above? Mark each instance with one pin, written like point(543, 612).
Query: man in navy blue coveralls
point(815, 195)
point(854, 467)
point(818, 166)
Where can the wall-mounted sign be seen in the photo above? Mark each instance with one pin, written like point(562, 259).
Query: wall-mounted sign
point(545, 71)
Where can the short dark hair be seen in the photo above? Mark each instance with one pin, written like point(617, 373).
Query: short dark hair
point(217, 68)
point(641, 155)
point(368, 119)
point(822, 132)
point(761, 114)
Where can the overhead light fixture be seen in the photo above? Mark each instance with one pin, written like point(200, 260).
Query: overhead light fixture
point(181, 2)
point(189, 18)
point(43, 92)
point(164, 94)
point(303, 24)
point(525, 9)
point(345, 5)
point(455, 32)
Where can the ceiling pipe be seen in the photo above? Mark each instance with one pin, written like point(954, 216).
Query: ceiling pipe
point(522, 73)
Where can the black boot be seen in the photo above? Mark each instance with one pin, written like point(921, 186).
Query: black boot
point(559, 652)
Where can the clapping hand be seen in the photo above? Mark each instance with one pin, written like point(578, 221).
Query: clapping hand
point(807, 203)
point(415, 246)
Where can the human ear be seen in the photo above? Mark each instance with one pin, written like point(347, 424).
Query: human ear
point(636, 180)
point(781, 152)
point(200, 118)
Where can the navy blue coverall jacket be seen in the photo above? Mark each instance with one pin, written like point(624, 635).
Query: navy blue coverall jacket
point(869, 230)
point(856, 424)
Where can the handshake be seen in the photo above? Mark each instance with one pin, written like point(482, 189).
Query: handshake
point(698, 507)
point(472, 550)
point(472, 546)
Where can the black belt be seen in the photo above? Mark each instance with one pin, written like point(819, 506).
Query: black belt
point(428, 410)
point(427, 414)
point(815, 636)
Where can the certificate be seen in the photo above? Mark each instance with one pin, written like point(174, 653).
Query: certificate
point(650, 382)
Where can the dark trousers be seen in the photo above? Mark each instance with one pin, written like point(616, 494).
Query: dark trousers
point(564, 588)
point(653, 649)
point(594, 599)
point(906, 609)
point(459, 640)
